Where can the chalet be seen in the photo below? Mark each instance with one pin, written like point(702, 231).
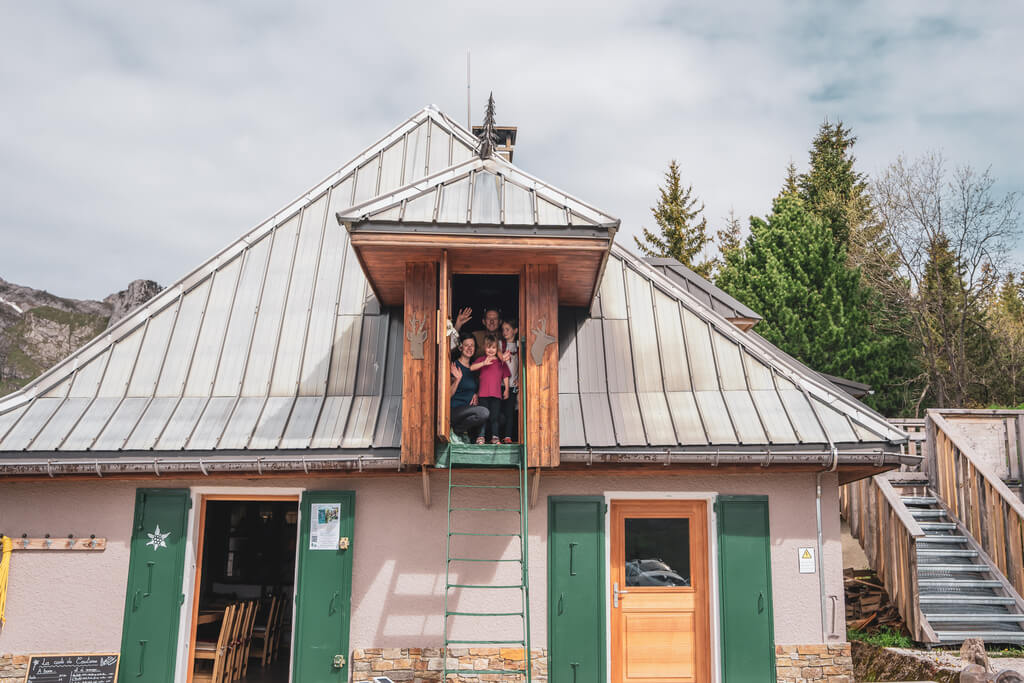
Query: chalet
point(257, 466)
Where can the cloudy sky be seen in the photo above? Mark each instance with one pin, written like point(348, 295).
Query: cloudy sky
point(137, 139)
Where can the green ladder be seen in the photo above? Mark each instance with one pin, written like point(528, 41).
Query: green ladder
point(492, 457)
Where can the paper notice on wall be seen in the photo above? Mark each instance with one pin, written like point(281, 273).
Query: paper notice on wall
point(806, 556)
point(324, 526)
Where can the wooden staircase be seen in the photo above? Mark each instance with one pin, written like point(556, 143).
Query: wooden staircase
point(947, 538)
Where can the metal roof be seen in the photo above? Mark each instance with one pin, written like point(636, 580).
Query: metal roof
point(277, 344)
point(482, 192)
point(708, 294)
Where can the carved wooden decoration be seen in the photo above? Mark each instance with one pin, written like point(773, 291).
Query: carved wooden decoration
point(541, 341)
point(416, 335)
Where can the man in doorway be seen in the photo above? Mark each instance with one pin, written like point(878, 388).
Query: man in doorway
point(491, 321)
point(492, 326)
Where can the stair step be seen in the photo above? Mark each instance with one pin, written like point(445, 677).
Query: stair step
point(482, 486)
point(946, 552)
point(482, 559)
point(485, 614)
point(940, 599)
point(485, 509)
point(942, 539)
point(954, 568)
point(928, 514)
point(919, 500)
point(970, 618)
point(987, 636)
point(484, 585)
point(937, 526)
point(959, 583)
point(486, 642)
point(521, 672)
point(476, 533)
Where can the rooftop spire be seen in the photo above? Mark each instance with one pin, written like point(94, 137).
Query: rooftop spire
point(488, 135)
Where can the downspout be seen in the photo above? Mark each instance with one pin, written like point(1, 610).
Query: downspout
point(825, 632)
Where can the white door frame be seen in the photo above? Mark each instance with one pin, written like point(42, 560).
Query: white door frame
point(709, 497)
point(191, 560)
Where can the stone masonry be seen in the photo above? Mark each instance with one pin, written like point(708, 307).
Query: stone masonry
point(13, 668)
point(802, 663)
point(420, 665)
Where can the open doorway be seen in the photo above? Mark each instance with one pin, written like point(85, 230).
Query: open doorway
point(494, 304)
point(242, 608)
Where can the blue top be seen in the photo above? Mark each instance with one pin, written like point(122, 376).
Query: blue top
point(466, 388)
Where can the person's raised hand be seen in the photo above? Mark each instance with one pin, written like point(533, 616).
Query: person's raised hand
point(489, 360)
point(463, 317)
point(456, 372)
point(507, 356)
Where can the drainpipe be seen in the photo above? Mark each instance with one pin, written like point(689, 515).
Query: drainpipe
point(825, 631)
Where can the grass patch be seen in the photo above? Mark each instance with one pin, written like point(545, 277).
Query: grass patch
point(884, 637)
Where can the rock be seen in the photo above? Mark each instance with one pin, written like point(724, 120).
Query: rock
point(125, 301)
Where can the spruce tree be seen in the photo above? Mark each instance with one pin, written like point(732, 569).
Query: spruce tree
point(793, 273)
point(832, 189)
point(682, 230)
point(728, 239)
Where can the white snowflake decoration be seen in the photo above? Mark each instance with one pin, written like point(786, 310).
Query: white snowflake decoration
point(157, 539)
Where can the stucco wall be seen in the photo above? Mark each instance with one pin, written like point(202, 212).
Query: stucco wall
point(74, 601)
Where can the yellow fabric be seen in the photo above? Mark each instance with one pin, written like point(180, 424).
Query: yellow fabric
point(5, 571)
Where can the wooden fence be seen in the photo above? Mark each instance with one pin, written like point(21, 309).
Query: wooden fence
point(888, 533)
point(976, 496)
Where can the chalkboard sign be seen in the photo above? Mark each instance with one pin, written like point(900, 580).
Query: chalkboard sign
point(73, 668)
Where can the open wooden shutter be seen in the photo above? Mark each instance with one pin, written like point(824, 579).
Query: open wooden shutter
point(419, 363)
point(539, 330)
point(444, 312)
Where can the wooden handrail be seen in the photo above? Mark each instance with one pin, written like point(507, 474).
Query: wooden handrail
point(888, 533)
point(980, 500)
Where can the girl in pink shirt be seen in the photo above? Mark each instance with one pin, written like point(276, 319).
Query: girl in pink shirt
point(494, 386)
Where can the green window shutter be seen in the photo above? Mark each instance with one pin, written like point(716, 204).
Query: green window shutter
point(745, 589)
point(323, 595)
point(576, 589)
point(153, 601)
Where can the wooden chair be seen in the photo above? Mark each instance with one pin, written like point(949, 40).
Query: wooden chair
point(246, 610)
point(278, 620)
point(247, 637)
point(264, 634)
point(220, 652)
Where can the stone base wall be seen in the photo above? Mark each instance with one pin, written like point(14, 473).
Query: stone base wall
point(13, 668)
point(801, 663)
point(420, 665)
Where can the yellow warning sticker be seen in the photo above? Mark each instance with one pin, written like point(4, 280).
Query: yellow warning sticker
point(806, 558)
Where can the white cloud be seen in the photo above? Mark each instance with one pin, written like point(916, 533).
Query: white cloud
point(138, 140)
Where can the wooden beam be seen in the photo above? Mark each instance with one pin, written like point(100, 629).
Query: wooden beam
point(425, 476)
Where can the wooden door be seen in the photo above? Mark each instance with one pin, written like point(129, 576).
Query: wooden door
point(419, 363)
point(155, 570)
point(444, 314)
point(659, 592)
point(539, 330)
point(323, 593)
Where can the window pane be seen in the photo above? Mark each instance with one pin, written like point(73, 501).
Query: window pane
point(658, 552)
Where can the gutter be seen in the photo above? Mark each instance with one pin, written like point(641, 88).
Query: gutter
point(389, 459)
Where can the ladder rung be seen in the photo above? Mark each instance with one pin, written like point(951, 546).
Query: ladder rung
point(482, 486)
point(483, 559)
point(485, 509)
point(476, 533)
point(485, 614)
point(485, 642)
point(482, 585)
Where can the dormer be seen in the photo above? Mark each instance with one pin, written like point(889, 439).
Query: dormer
point(481, 224)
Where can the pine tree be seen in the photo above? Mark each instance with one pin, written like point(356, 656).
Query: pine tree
point(793, 273)
point(832, 189)
point(792, 182)
point(682, 231)
point(729, 240)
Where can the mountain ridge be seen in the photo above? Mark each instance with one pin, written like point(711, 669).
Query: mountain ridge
point(39, 329)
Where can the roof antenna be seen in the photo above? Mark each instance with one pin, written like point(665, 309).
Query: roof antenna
point(469, 116)
point(488, 136)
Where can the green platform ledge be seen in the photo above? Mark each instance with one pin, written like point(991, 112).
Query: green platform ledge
point(488, 455)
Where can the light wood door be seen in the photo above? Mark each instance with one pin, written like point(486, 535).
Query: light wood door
point(659, 592)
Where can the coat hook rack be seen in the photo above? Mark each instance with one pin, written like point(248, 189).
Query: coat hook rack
point(46, 542)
